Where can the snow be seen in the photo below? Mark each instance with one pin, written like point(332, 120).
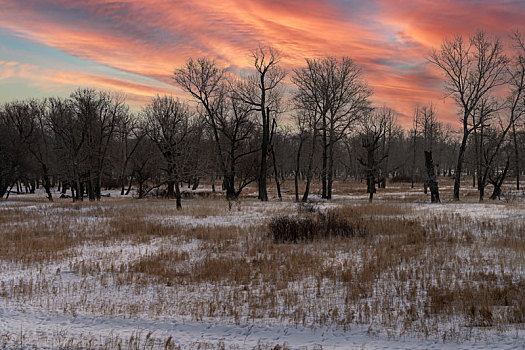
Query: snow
point(37, 325)
point(43, 326)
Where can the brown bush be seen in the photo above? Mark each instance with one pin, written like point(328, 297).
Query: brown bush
point(320, 225)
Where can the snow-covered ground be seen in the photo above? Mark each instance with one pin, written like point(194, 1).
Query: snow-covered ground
point(51, 330)
point(78, 299)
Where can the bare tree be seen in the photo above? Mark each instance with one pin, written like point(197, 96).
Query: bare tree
point(516, 98)
point(69, 138)
point(12, 156)
point(414, 132)
point(28, 121)
point(99, 113)
point(167, 122)
point(144, 166)
point(312, 124)
point(496, 177)
point(350, 101)
point(486, 145)
point(312, 102)
point(472, 70)
point(302, 124)
point(261, 91)
point(494, 126)
point(335, 88)
point(431, 129)
point(373, 127)
point(229, 119)
point(128, 140)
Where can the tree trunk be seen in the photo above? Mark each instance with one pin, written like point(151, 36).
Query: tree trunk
point(263, 194)
point(516, 156)
point(330, 174)
point(129, 186)
point(459, 166)
point(171, 189)
point(276, 175)
point(47, 182)
point(370, 186)
point(195, 183)
point(141, 189)
point(432, 182)
point(90, 187)
point(229, 182)
point(481, 189)
point(73, 192)
point(82, 190)
point(496, 194)
point(47, 186)
point(80, 193)
point(297, 168)
point(370, 178)
point(178, 196)
point(310, 166)
point(122, 186)
point(3, 188)
point(98, 186)
point(9, 191)
point(325, 155)
point(414, 157)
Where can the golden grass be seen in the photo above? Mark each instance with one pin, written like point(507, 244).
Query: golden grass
point(413, 271)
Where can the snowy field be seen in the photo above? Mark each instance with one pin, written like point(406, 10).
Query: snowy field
point(128, 273)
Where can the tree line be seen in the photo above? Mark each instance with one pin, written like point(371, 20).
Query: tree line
point(251, 129)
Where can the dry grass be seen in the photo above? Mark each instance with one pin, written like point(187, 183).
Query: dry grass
point(137, 341)
point(430, 273)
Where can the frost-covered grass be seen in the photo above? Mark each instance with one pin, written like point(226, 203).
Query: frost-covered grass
point(140, 274)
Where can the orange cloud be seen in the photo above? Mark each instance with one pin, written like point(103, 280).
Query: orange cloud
point(389, 39)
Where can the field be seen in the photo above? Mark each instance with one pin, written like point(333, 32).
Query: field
point(138, 274)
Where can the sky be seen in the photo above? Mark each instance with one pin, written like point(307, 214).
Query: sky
point(51, 47)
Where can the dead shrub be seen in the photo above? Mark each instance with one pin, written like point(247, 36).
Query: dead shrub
point(320, 225)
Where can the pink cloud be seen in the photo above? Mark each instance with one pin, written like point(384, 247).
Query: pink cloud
point(390, 40)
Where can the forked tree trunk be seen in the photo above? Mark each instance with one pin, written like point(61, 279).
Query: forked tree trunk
point(195, 183)
point(498, 182)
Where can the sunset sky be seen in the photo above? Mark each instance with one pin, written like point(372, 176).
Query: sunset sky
point(48, 48)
